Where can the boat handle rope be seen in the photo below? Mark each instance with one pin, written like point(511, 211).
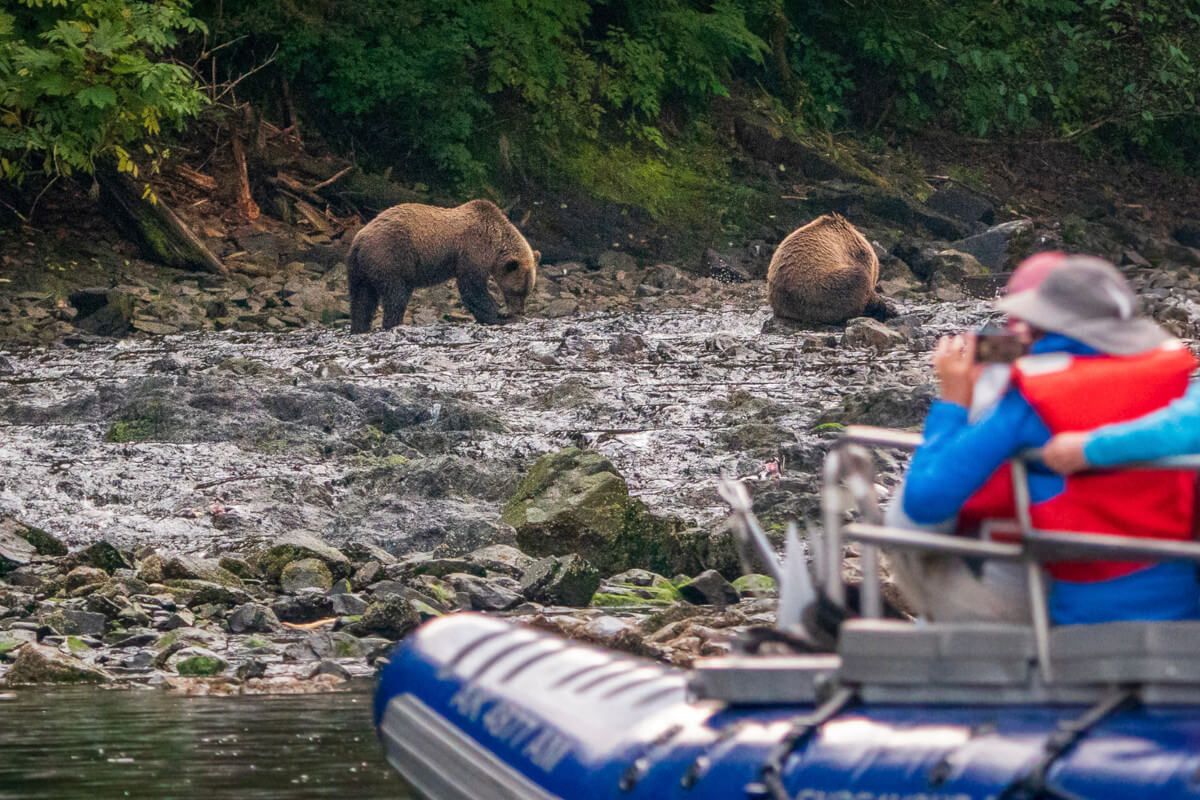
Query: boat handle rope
point(770, 782)
point(1033, 783)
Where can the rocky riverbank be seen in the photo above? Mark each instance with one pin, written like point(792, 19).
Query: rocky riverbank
point(230, 493)
point(234, 512)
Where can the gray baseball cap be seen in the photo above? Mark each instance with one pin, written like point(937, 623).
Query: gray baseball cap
point(1087, 299)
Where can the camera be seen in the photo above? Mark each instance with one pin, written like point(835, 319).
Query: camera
point(996, 345)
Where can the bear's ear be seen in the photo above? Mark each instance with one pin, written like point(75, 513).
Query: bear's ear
point(537, 256)
point(512, 266)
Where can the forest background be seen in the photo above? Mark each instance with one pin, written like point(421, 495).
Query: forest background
point(616, 97)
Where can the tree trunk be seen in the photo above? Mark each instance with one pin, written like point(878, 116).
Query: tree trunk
point(161, 235)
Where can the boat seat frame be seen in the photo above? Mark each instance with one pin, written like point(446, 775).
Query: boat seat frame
point(984, 663)
point(1154, 654)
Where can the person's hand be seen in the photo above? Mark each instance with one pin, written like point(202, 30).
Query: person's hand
point(1064, 453)
point(954, 363)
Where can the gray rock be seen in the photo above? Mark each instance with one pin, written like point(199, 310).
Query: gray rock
point(104, 312)
point(336, 644)
point(999, 247)
point(709, 588)
point(639, 577)
point(43, 543)
point(501, 558)
point(616, 260)
point(83, 576)
point(962, 204)
point(561, 580)
point(104, 556)
point(74, 622)
point(575, 501)
point(201, 593)
point(392, 617)
point(140, 661)
point(365, 551)
point(348, 605)
point(485, 595)
point(15, 552)
point(141, 639)
point(327, 667)
point(304, 607)
point(367, 574)
point(40, 665)
point(196, 662)
point(253, 618)
point(867, 333)
point(889, 407)
point(179, 619)
point(664, 276)
point(307, 573)
point(427, 564)
point(254, 668)
point(191, 568)
point(297, 546)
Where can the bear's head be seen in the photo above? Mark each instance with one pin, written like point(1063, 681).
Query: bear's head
point(515, 274)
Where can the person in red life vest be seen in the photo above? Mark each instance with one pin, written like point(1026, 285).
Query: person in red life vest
point(1093, 361)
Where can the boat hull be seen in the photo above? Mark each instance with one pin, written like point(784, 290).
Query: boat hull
point(476, 708)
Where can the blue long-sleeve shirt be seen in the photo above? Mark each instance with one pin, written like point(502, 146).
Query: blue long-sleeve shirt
point(957, 457)
point(955, 461)
point(1173, 431)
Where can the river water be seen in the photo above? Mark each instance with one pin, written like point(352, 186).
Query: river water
point(148, 743)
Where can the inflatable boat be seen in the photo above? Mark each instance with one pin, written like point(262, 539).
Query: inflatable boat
point(479, 708)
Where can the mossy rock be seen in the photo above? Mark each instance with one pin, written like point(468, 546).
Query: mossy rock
point(200, 666)
point(38, 665)
point(307, 573)
point(144, 423)
point(626, 594)
point(43, 543)
point(105, 556)
point(298, 546)
point(754, 584)
point(575, 501)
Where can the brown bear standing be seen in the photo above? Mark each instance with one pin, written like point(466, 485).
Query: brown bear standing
point(412, 245)
point(825, 272)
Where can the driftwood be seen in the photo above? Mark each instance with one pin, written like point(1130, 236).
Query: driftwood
point(160, 234)
point(196, 178)
point(314, 217)
point(245, 207)
point(309, 193)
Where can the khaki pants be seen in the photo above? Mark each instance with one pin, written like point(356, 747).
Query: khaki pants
point(944, 589)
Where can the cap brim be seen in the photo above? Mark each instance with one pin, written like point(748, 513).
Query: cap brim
point(1116, 336)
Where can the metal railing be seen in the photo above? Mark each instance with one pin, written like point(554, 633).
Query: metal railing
point(851, 463)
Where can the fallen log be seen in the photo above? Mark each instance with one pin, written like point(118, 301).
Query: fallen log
point(157, 230)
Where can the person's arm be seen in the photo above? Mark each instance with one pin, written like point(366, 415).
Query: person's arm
point(1173, 431)
point(957, 458)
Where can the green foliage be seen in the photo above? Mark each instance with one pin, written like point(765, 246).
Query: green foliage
point(82, 80)
point(451, 86)
point(1060, 66)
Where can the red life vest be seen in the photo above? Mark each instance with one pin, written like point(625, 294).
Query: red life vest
point(1074, 393)
point(1154, 504)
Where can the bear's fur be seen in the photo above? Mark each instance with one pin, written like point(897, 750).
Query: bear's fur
point(411, 245)
point(824, 273)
